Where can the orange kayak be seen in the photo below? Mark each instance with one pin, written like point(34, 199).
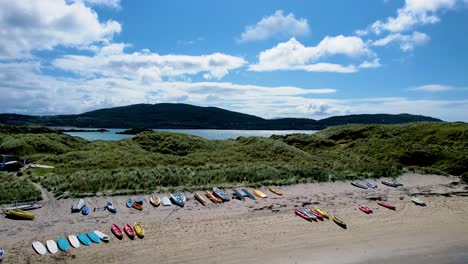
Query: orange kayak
point(275, 191)
point(137, 206)
point(155, 200)
point(213, 198)
point(199, 198)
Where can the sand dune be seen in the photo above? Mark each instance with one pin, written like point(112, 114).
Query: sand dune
point(265, 230)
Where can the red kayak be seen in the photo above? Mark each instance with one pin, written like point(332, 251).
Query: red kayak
point(319, 216)
point(116, 231)
point(365, 209)
point(301, 214)
point(389, 206)
point(129, 231)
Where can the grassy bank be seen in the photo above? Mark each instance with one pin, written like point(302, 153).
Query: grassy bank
point(14, 189)
point(165, 161)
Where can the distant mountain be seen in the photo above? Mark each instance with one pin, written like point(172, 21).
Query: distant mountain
point(186, 116)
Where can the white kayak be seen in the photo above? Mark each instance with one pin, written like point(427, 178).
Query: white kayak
point(74, 242)
point(101, 235)
point(165, 201)
point(39, 247)
point(52, 246)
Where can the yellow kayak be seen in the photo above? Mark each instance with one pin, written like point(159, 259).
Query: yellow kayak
point(275, 191)
point(140, 232)
point(259, 193)
point(322, 212)
point(17, 213)
point(339, 222)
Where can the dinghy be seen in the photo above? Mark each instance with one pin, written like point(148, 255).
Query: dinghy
point(238, 194)
point(359, 185)
point(178, 198)
point(384, 204)
point(259, 193)
point(213, 198)
point(248, 194)
point(39, 248)
point(111, 207)
point(220, 194)
point(199, 198)
point(77, 205)
point(165, 201)
point(155, 201)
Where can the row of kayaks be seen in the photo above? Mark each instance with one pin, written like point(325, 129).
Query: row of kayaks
point(131, 231)
point(392, 183)
point(64, 244)
point(317, 214)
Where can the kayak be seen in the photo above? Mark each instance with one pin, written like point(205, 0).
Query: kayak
point(25, 207)
point(396, 182)
point(238, 195)
point(259, 193)
point(301, 214)
point(220, 194)
point(155, 200)
point(102, 236)
point(365, 209)
point(84, 239)
point(139, 201)
point(213, 198)
point(93, 237)
point(137, 206)
point(308, 213)
point(77, 205)
point(359, 185)
point(371, 185)
point(129, 231)
point(417, 201)
point(322, 212)
point(339, 221)
point(178, 198)
point(384, 204)
point(129, 203)
point(391, 184)
point(248, 194)
point(85, 210)
point(115, 229)
point(18, 214)
point(111, 207)
point(62, 244)
point(317, 215)
point(165, 201)
point(140, 232)
point(275, 191)
point(199, 198)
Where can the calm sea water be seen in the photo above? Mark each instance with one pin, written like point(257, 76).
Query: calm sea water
point(206, 133)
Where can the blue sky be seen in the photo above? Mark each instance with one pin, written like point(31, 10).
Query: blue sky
point(269, 58)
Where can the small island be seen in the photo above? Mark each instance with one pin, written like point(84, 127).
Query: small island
point(100, 130)
point(134, 131)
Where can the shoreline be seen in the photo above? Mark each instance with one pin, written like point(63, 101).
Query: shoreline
point(263, 230)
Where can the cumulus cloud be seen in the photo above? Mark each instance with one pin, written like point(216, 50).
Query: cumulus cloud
point(112, 61)
point(277, 24)
point(375, 63)
point(293, 55)
point(107, 3)
point(43, 25)
point(406, 42)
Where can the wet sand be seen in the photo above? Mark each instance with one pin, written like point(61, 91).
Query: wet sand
point(264, 230)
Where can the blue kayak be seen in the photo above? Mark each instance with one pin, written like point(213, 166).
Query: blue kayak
point(308, 213)
point(359, 185)
point(238, 195)
point(93, 237)
point(62, 244)
point(129, 203)
point(397, 182)
point(84, 239)
point(371, 185)
point(139, 201)
point(249, 194)
point(221, 194)
point(111, 208)
point(85, 210)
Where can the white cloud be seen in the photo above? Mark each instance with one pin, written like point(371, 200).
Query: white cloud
point(112, 61)
point(375, 63)
point(413, 13)
point(276, 25)
point(108, 3)
point(406, 42)
point(43, 25)
point(293, 55)
point(432, 88)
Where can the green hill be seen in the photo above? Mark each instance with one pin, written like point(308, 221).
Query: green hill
point(196, 117)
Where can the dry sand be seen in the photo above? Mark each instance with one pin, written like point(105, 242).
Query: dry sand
point(264, 231)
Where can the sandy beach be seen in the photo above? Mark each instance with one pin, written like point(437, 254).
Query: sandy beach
point(264, 231)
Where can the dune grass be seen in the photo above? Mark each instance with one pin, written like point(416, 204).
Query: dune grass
point(165, 161)
point(14, 189)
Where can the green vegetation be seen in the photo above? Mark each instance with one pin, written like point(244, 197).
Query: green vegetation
point(165, 161)
point(191, 116)
point(14, 189)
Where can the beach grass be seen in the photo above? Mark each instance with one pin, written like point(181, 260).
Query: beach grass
point(154, 161)
point(14, 189)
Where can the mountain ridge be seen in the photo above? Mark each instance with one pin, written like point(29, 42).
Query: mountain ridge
point(185, 116)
